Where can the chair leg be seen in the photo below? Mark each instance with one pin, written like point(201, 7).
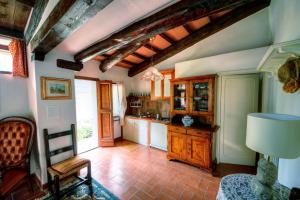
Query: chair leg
point(50, 183)
point(89, 174)
point(56, 183)
point(29, 180)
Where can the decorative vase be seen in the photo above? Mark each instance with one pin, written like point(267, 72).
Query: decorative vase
point(187, 120)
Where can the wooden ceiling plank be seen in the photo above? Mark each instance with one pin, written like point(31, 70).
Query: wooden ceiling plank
point(66, 17)
point(35, 18)
point(202, 33)
point(128, 62)
point(168, 18)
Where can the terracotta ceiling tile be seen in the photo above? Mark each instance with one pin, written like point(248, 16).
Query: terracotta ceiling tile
point(133, 59)
point(99, 58)
point(159, 42)
point(124, 65)
point(196, 24)
point(145, 52)
point(177, 33)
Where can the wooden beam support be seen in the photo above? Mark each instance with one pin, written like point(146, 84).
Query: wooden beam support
point(168, 18)
point(204, 32)
point(152, 48)
point(66, 17)
point(35, 18)
point(167, 38)
point(118, 56)
point(11, 33)
point(66, 64)
point(139, 56)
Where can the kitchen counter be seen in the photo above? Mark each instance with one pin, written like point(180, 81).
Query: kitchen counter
point(166, 122)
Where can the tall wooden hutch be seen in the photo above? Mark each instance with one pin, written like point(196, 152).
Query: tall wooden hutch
point(194, 96)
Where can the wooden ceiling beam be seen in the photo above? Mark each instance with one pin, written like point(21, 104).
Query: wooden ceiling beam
point(29, 3)
point(11, 33)
point(168, 18)
point(35, 18)
point(66, 64)
point(202, 33)
point(66, 16)
point(167, 38)
point(140, 56)
point(152, 48)
point(118, 56)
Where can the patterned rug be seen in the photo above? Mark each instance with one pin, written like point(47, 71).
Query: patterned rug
point(83, 193)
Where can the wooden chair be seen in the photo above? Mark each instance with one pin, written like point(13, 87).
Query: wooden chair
point(66, 168)
point(16, 138)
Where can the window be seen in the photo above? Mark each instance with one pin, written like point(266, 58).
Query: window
point(5, 56)
point(5, 61)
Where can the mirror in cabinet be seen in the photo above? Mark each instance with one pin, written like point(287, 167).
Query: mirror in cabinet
point(161, 89)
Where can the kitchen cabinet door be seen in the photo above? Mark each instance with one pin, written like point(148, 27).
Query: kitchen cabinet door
point(179, 97)
point(198, 151)
point(176, 145)
point(129, 130)
point(158, 136)
point(141, 132)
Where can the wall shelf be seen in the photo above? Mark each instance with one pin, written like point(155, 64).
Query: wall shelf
point(277, 54)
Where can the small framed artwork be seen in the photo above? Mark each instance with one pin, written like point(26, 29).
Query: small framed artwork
point(56, 88)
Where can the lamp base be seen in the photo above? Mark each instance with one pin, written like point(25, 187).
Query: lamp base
point(265, 178)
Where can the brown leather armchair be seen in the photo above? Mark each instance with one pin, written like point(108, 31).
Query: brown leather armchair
point(16, 137)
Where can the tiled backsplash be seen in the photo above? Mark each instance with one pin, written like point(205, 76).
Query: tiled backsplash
point(161, 107)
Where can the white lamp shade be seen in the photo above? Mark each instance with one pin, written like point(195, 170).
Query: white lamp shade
point(274, 134)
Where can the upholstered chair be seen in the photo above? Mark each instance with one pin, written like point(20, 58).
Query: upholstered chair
point(16, 138)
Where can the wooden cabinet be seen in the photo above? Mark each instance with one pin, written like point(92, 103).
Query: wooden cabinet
point(161, 89)
point(198, 150)
point(176, 145)
point(193, 146)
point(193, 95)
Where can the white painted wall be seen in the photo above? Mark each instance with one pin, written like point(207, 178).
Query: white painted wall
point(284, 21)
point(246, 60)
point(116, 74)
point(13, 96)
point(64, 109)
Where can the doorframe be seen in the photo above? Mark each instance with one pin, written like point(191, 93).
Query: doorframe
point(98, 99)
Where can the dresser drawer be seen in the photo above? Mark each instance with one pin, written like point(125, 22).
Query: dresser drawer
point(197, 132)
point(176, 129)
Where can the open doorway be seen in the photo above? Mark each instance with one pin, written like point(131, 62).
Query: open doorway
point(86, 114)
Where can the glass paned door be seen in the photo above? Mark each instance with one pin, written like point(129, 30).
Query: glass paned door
point(179, 97)
point(86, 114)
point(201, 96)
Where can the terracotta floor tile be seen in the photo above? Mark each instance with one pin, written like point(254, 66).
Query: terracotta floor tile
point(136, 172)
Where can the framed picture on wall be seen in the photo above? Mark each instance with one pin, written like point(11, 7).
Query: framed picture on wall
point(56, 88)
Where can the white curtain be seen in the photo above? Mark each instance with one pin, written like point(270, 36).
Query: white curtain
point(122, 102)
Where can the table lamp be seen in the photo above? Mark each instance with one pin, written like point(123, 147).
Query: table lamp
point(274, 135)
